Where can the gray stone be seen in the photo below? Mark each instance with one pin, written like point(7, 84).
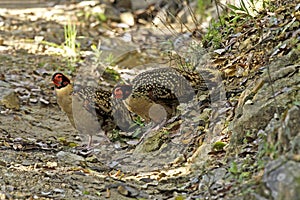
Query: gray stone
point(256, 116)
point(69, 158)
point(282, 179)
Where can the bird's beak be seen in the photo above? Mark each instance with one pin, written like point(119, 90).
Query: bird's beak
point(57, 83)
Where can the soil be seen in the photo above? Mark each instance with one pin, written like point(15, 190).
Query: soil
point(190, 158)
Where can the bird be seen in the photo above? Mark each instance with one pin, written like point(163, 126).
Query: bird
point(155, 94)
point(89, 109)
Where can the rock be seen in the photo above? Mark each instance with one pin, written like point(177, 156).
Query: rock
point(124, 4)
point(4, 84)
point(152, 142)
point(70, 158)
point(282, 179)
point(3, 163)
point(112, 13)
point(133, 4)
point(256, 116)
point(2, 195)
point(11, 101)
point(127, 191)
point(288, 133)
point(127, 18)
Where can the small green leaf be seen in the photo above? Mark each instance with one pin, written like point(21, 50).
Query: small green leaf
point(218, 145)
point(296, 103)
point(180, 197)
point(86, 192)
point(233, 7)
point(72, 144)
point(233, 168)
point(94, 47)
point(102, 17)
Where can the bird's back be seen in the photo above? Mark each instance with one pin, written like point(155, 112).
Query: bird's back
point(164, 84)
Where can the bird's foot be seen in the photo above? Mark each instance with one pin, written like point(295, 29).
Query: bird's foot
point(84, 150)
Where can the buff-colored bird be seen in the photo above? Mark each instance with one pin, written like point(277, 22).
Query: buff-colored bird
point(89, 109)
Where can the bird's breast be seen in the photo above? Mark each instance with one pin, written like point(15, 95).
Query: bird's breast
point(86, 119)
point(140, 106)
point(64, 100)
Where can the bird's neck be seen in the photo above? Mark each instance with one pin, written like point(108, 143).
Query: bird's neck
point(64, 100)
point(65, 91)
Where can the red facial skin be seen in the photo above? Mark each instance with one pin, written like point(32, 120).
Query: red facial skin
point(122, 91)
point(118, 93)
point(60, 80)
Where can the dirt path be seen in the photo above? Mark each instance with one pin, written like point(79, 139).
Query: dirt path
point(37, 155)
point(36, 158)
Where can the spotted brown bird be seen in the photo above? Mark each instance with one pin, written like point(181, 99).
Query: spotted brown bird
point(88, 109)
point(155, 94)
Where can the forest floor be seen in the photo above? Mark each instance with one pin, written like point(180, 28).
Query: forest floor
point(222, 152)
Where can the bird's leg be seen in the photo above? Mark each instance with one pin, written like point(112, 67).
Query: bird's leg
point(106, 138)
point(86, 150)
point(107, 141)
point(90, 142)
point(158, 126)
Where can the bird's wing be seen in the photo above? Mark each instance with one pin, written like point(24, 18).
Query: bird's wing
point(121, 115)
point(163, 84)
point(95, 99)
point(198, 79)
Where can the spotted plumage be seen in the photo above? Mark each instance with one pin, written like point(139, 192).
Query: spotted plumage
point(166, 87)
point(162, 84)
point(97, 99)
point(195, 78)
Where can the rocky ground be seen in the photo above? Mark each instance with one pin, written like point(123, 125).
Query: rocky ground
point(244, 145)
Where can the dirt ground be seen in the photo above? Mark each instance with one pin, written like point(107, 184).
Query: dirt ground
point(38, 157)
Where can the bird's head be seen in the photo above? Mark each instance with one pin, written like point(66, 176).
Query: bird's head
point(122, 91)
point(60, 80)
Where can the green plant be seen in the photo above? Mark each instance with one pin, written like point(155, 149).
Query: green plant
point(115, 135)
point(139, 121)
point(269, 149)
point(234, 168)
point(109, 59)
point(247, 8)
point(92, 14)
point(242, 9)
point(242, 169)
point(213, 37)
point(70, 33)
point(218, 146)
point(86, 192)
point(111, 75)
point(96, 51)
point(202, 6)
point(98, 55)
point(102, 17)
